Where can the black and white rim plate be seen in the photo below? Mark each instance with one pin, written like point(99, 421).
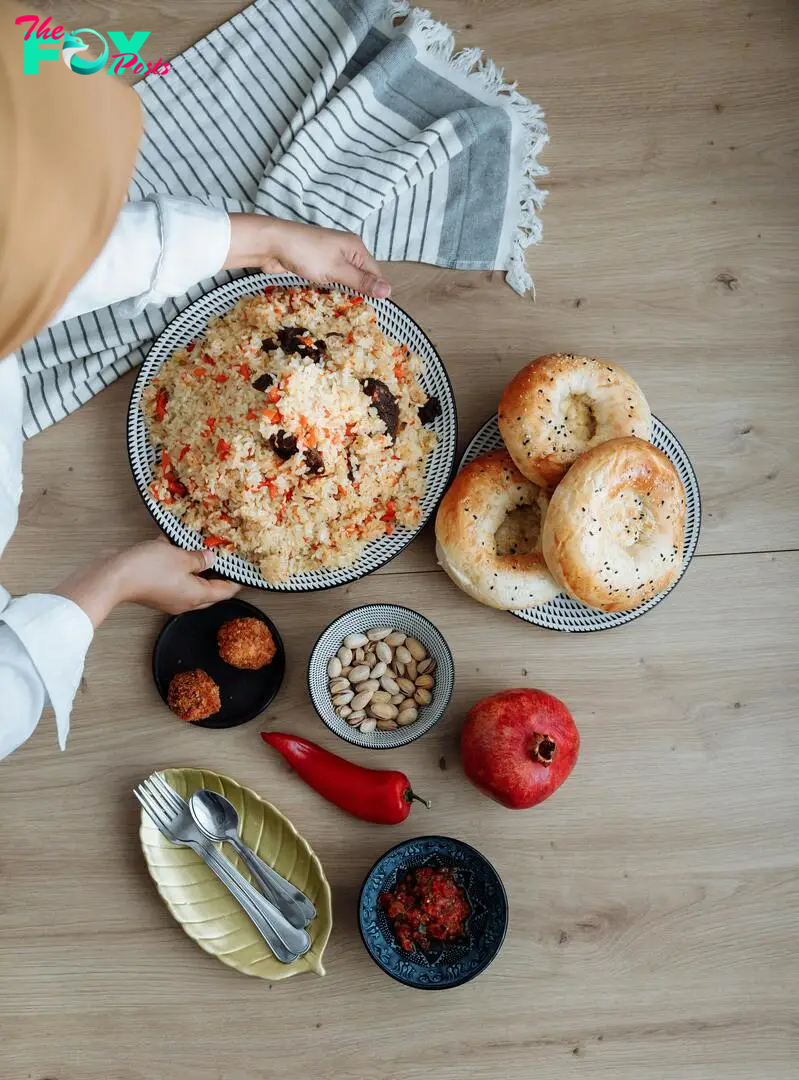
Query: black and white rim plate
point(394, 322)
point(358, 621)
point(569, 615)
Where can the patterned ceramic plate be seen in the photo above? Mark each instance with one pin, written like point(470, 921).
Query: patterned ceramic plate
point(396, 324)
point(204, 907)
point(453, 963)
point(565, 613)
point(357, 621)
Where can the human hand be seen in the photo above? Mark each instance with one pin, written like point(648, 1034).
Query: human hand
point(322, 255)
point(154, 574)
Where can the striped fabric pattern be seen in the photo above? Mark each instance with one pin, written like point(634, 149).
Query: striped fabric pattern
point(353, 114)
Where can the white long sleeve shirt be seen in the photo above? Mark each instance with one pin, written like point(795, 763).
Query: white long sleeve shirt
point(159, 248)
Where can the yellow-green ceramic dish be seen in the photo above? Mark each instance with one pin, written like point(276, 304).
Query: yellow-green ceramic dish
point(203, 906)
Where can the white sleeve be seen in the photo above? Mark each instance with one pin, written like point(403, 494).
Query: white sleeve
point(43, 645)
point(43, 639)
point(158, 248)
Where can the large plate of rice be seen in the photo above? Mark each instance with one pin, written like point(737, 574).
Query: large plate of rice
point(306, 434)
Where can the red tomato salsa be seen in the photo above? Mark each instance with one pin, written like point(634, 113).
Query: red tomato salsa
point(426, 905)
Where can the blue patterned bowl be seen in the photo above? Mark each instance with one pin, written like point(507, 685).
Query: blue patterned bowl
point(452, 963)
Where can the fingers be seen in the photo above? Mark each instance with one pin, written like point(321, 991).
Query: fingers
point(216, 589)
point(200, 593)
point(360, 271)
point(195, 562)
point(370, 285)
point(198, 561)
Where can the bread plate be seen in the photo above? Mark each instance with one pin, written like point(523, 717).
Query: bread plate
point(568, 615)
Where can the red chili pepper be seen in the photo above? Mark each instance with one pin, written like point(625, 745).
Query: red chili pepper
point(222, 450)
point(190, 346)
point(220, 378)
point(381, 796)
point(183, 453)
point(161, 399)
point(245, 371)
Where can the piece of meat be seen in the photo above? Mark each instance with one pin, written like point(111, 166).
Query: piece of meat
point(285, 446)
point(289, 337)
point(294, 339)
point(269, 344)
point(385, 404)
point(430, 411)
point(263, 382)
point(246, 643)
point(314, 462)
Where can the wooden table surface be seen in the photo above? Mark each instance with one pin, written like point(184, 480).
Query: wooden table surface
point(654, 900)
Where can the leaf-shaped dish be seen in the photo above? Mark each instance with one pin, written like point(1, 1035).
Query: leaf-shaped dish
point(203, 906)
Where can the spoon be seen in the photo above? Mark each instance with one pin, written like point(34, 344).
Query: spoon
point(218, 819)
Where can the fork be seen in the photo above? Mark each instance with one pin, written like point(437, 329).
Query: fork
point(294, 938)
point(286, 942)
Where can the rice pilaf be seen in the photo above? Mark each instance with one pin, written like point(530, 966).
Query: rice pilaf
point(290, 432)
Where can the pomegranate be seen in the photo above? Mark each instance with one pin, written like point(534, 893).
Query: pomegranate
point(519, 746)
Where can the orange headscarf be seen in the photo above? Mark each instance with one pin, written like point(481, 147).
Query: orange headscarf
point(67, 151)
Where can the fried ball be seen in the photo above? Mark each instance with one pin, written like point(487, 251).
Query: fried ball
point(246, 643)
point(193, 695)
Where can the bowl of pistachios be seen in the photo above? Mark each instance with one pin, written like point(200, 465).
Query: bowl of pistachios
point(381, 676)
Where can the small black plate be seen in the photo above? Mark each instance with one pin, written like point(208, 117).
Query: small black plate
point(189, 641)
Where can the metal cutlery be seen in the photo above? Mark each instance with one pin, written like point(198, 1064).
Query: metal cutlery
point(293, 936)
point(217, 818)
point(174, 821)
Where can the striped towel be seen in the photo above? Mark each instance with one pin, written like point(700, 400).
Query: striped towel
point(355, 114)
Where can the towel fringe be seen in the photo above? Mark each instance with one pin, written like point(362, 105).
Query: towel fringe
point(439, 42)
